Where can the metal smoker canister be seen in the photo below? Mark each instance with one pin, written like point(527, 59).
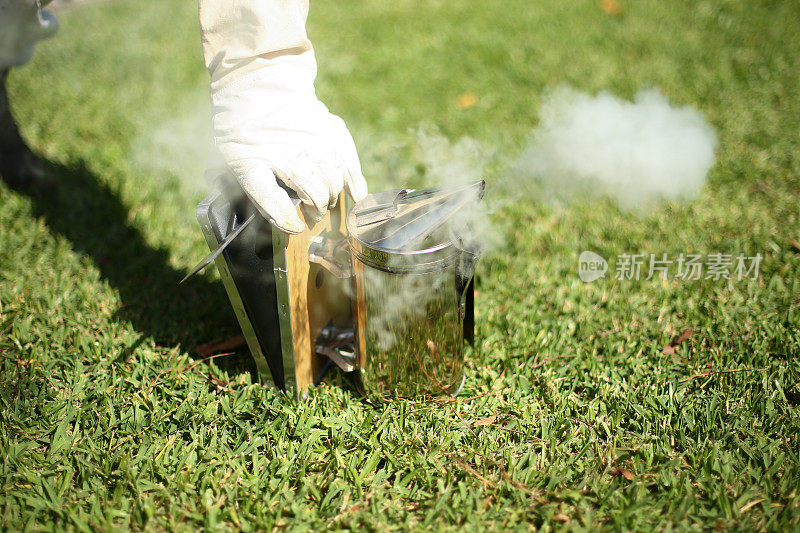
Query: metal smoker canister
point(412, 284)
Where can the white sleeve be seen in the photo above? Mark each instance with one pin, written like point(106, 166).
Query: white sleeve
point(239, 36)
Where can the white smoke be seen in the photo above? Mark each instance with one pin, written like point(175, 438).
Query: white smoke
point(452, 165)
point(176, 147)
point(638, 153)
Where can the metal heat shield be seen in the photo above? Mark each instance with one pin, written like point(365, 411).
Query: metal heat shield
point(247, 268)
point(282, 299)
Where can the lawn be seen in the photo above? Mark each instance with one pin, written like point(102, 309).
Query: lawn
point(621, 404)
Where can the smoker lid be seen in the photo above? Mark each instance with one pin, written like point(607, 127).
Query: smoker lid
point(407, 227)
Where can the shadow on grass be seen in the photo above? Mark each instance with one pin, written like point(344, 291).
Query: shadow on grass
point(95, 221)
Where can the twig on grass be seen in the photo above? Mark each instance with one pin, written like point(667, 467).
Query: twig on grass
point(728, 371)
point(537, 363)
point(475, 473)
point(466, 425)
point(503, 472)
point(451, 399)
point(501, 469)
point(148, 390)
point(436, 382)
point(746, 507)
point(182, 369)
point(587, 424)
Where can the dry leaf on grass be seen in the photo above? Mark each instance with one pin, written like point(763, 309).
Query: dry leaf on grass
point(611, 7)
point(218, 384)
point(208, 348)
point(466, 100)
point(433, 349)
point(561, 518)
point(485, 421)
point(684, 335)
point(624, 472)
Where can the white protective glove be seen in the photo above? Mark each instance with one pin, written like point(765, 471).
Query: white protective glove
point(267, 123)
point(22, 23)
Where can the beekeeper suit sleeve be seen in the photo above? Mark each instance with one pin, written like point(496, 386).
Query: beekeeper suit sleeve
point(267, 123)
point(22, 23)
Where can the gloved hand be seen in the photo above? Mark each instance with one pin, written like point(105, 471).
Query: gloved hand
point(22, 23)
point(267, 123)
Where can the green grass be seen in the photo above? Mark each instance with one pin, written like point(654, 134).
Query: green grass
point(109, 420)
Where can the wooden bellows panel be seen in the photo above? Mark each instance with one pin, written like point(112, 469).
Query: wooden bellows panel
point(315, 295)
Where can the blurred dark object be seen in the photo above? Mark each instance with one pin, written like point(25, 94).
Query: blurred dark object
point(19, 167)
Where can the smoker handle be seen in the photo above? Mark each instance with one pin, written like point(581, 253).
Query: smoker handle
point(233, 232)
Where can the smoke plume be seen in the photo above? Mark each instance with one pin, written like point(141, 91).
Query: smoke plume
point(638, 153)
point(451, 165)
point(176, 147)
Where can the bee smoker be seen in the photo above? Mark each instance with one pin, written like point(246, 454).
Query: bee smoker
point(384, 291)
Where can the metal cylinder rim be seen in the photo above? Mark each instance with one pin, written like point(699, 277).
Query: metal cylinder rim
point(444, 255)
